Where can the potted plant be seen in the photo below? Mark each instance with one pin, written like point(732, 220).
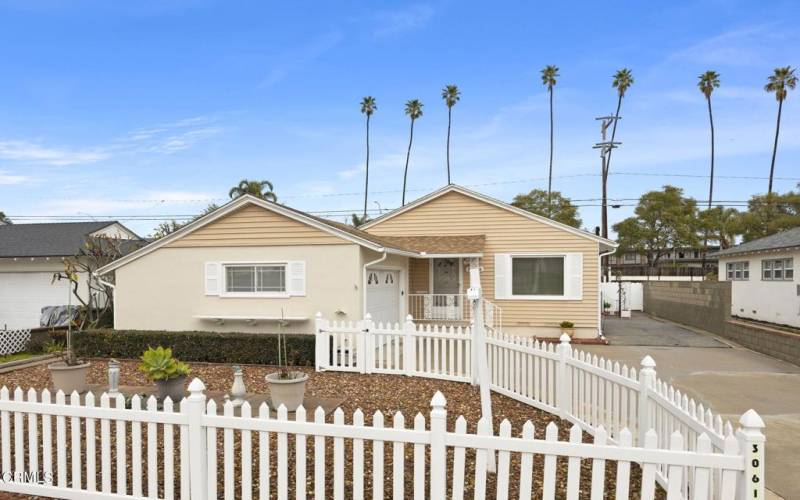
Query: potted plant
point(167, 372)
point(606, 307)
point(286, 387)
point(69, 374)
point(567, 327)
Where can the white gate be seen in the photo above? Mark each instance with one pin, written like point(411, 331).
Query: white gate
point(632, 295)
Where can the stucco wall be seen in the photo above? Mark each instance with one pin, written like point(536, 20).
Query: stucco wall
point(773, 301)
point(165, 289)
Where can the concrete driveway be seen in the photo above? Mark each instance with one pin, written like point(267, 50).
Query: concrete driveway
point(729, 377)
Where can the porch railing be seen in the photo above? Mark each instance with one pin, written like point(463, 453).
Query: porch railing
point(450, 307)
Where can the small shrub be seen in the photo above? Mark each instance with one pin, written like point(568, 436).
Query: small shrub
point(158, 364)
point(567, 324)
point(207, 347)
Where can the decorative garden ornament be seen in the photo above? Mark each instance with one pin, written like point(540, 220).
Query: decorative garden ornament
point(113, 378)
point(238, 390)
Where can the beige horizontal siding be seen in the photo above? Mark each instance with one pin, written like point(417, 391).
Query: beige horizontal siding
point(506, 232)
point(256, 226)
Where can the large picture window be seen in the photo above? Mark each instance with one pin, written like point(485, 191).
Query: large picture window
point(255, 279)
point(537, 276)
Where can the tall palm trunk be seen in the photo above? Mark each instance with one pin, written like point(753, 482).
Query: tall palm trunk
point(711, 123)
point(608, 166)
point(775, 147)
point(408, 156)
point(366, 182)
point(550, 175)
point(449, 120)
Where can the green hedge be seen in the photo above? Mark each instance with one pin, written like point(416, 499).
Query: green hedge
point(195, 346)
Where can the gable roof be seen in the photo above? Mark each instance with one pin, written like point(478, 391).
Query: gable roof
point(453, 188)
point(56, 239)
point(335, 228)
point(784, 239)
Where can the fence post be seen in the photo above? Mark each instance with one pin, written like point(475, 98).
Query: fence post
point(751, 444)
point(438, 448)
point(320, 343)
point(647, 380)
point(364, 359)
point(563, 380)
point(409, 346)
point(198, 464)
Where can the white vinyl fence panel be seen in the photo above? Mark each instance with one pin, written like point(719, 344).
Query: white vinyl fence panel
point(428, 458)
point(632, 295)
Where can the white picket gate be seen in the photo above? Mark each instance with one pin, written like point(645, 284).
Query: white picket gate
point(588, 391)
point(267, 457)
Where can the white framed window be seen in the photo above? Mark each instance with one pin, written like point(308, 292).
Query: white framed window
point(777, 269)
point(261, 280)
point(738, 271)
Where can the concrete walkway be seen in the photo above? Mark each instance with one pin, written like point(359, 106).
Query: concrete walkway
point(731, 378)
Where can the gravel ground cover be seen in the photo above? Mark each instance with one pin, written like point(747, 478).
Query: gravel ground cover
point(370, 393)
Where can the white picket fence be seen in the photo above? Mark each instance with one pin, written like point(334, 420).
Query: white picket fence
point(588, 391)
point(134, 455)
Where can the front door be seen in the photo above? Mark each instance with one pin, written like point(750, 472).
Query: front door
point(383, 296)
point(446, 287)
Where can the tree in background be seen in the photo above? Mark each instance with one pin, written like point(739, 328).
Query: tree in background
point(4, 219)
point(663, 220)
point(769, 214)
point(709, 81)
point(356, 221)
point(721, 225)
point(549, 76)
point(169, 227)
point(451, 96)
point(549, 204)
point(413, 110)
point(780, 82)
point(259, 189)
point(368, 107)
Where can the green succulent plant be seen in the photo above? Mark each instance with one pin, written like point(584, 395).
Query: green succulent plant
point(158, 364)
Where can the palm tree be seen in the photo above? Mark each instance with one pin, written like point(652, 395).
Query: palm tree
point(368, 107)
point(780, 82)
point(414, 111)
point(4, 219)
point(451, 96)
point(549, 75)
point(709, 81)
point(622, 81)
point(254, 188)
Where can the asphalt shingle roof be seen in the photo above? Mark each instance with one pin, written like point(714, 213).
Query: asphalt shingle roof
point(57, 239)
point(785, 239)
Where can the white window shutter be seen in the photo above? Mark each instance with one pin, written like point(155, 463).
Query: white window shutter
point(297, 278)
point(573, 276)
point(212, 278)
point(502, 276)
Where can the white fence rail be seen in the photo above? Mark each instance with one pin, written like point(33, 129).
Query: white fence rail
point(451, 307)
point(591, 392)
point(203, 453)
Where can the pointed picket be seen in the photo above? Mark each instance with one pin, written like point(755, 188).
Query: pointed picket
point(263, 455)
point(283, 457)
point(398, 460)
point(152, 450)
point(624, 467)
point(459, 454)
point(675, 472)
point(358, 459)
point(377, 458)
point(549, 482)
point(91, 464)
point(300, 455)
point(574, 466)
point(169, 459)
point(211, 453)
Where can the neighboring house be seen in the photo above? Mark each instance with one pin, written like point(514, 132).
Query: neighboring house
point(681, 263)
point(29, 256)
point(764, 285)
point(251, 263)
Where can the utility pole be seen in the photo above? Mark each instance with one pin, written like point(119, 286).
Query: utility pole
point(605, 150)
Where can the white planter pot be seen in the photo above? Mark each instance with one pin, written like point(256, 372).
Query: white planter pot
point(288, 392)
point(69, 378)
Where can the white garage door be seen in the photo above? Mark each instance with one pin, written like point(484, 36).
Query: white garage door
point(383, 296)
point(22, 296)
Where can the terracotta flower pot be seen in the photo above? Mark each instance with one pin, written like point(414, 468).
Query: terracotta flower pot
point(69, 378)
point(569, 331)
point(172, 388)
point(289, 391)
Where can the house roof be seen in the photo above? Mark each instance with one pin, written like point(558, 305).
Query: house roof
point(441, 245)
point(492, 201)
point(59, 239)
point(778, 241)
point(338, 229)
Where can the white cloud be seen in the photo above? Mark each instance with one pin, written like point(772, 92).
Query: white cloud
point(10, 179)
point(748, 46)
point(26, 151)
point(390, 23)
point(293, 60)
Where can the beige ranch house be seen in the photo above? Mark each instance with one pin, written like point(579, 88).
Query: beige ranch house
point(252, 263)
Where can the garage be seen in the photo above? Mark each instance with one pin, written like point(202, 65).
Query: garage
point(383, 295)
point(23, 294)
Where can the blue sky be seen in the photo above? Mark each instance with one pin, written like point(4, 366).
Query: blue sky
point(153, 108)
